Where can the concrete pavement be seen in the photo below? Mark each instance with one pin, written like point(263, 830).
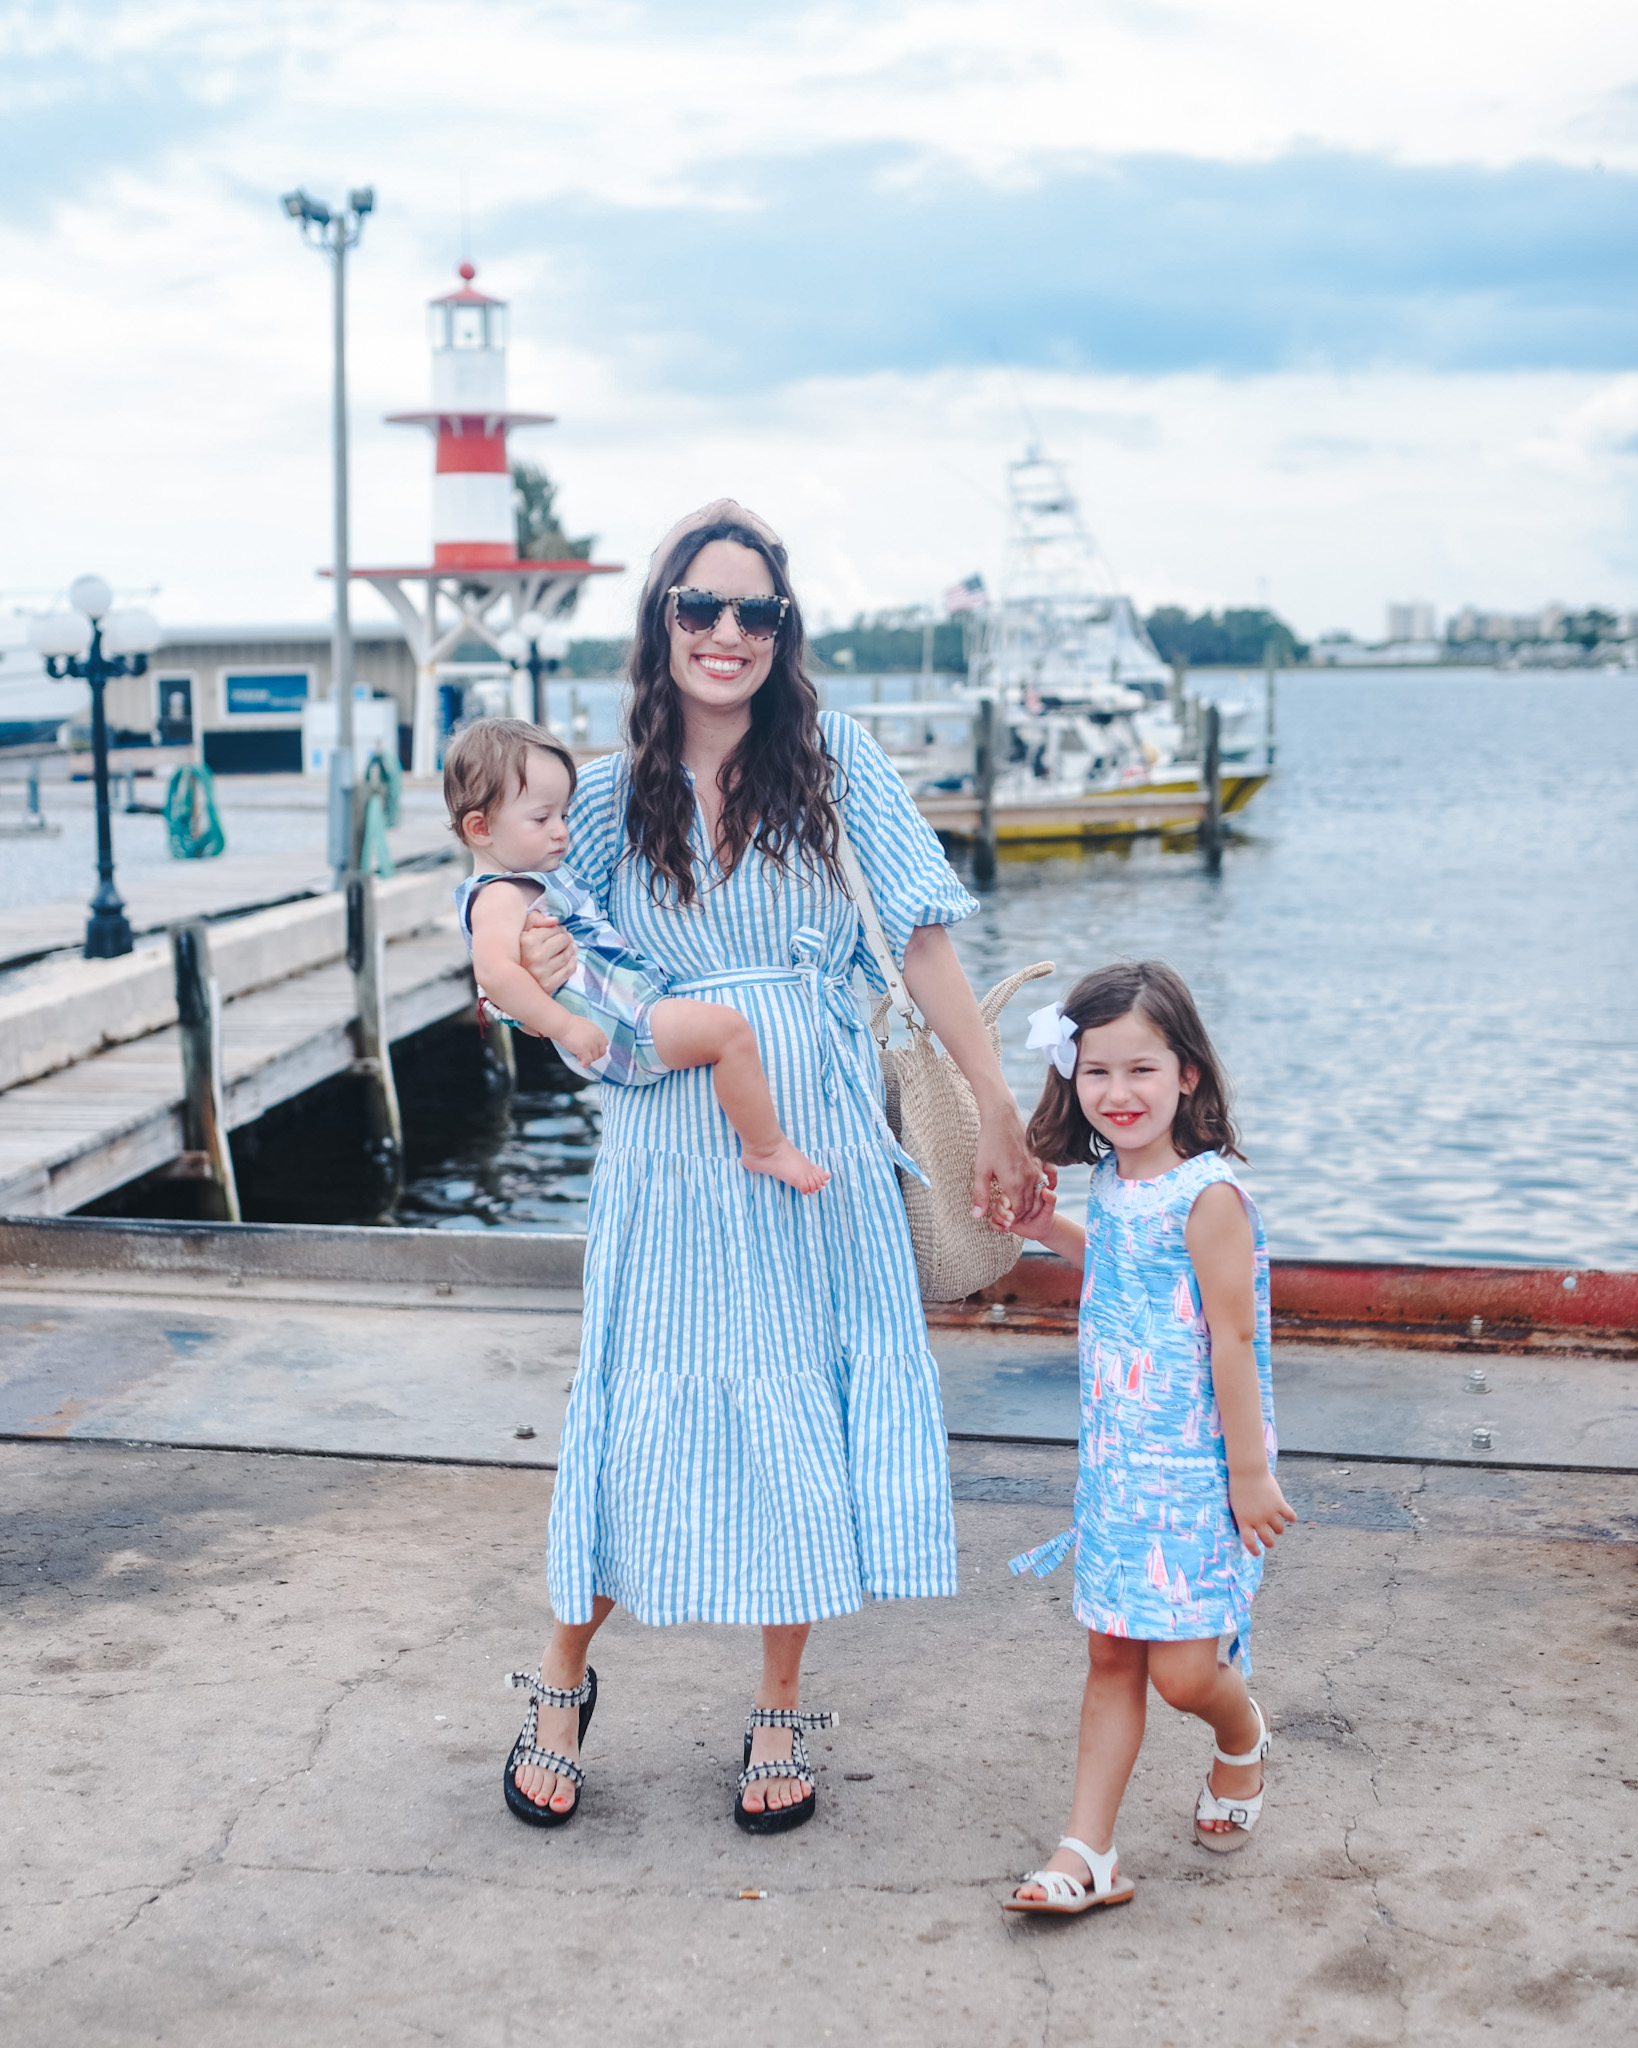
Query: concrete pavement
point(255, 1725)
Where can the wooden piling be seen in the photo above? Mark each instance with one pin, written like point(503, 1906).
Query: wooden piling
point(206, 1154)
point(985, 726)
point(1270, 662)
point(1211, 825)
point(366, 957)
point(500, 1059)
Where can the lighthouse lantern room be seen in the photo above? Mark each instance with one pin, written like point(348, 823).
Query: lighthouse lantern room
point(476, 570)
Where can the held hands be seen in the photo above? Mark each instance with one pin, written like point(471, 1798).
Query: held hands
point(1005, 1175)
point(1261, 1512)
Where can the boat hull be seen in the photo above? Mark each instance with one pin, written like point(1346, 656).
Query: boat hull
point(1099, 814)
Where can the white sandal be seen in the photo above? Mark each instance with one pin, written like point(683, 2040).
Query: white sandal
point(1066, 1894)
point(1241, 1814)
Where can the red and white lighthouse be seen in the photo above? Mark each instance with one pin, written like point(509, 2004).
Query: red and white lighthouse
point(473, 525)
point(476, 586)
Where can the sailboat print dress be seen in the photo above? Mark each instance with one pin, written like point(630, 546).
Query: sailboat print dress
point(754, 1433)
point(1157, 1553)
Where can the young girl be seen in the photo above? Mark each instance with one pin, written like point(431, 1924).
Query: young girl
point(1175, 1503)
point(507, 786)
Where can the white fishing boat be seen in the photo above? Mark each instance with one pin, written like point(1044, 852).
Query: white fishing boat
point(1097, 739)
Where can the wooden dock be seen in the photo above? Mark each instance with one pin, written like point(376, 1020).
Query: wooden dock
point(91, 1062)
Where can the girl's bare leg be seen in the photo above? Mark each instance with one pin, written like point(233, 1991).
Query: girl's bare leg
point(1188, 1676)
point(562, 1666)
point(1112, 1713)
point(690, 1034)
point(781, 1687)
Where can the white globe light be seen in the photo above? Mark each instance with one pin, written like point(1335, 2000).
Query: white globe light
point(60, 633)
point(130, 631)
point(513, 645)
point(531, 625)
point(553, 642)
point(91, 595)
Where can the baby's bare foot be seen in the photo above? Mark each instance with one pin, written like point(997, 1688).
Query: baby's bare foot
point(785, 1163)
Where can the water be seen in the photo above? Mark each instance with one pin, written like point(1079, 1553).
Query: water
point(1420, 962)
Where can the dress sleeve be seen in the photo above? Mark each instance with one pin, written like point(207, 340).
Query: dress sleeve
point(912, 882)
point(596, 825)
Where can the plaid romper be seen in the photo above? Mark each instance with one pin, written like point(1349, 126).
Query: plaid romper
point(611, 986)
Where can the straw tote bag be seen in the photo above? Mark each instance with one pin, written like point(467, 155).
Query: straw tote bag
point(934, 1116)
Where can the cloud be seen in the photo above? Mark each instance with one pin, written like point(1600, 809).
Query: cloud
point(856, 259)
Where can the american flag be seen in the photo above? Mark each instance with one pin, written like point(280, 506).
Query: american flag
point(967, 596)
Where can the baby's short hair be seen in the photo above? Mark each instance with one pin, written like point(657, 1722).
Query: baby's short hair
point(487, 758)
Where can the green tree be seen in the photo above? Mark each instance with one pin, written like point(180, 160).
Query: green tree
point(541, 537)
point(1237, 638)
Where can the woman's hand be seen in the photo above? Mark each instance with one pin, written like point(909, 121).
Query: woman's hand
point(933, 975)
point(547, 951)
point(1006, 1176)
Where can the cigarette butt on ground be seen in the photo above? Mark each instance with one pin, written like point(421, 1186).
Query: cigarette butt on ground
point(753, 1895)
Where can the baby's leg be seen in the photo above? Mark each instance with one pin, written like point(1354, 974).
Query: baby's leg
point(690, 1034)
point(1112, 1714)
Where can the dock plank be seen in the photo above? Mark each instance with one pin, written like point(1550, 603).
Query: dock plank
point(85, 1129)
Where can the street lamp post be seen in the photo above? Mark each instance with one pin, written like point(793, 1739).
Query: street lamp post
point(537, 646)
point(119, 645)
point(335, 231)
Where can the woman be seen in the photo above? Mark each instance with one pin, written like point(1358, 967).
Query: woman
point(754, 1434)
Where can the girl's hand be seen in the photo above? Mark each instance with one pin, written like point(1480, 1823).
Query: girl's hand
point(547, 952)
point(1261, 1512)
point(585, 1041)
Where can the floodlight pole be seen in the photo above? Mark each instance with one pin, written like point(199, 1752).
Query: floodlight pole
point(343, 780)
point(335, 231)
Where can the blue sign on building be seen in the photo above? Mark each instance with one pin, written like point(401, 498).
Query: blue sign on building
point(266, 696)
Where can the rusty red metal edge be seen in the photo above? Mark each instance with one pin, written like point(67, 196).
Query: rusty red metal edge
point(1515, 1306)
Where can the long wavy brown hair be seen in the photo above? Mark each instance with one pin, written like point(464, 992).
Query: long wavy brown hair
point(1059, 1132)
point(776, 784)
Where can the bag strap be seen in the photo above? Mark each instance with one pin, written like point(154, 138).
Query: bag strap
point(858, 887)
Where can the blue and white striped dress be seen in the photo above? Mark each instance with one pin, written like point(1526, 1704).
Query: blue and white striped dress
point(755, 1432)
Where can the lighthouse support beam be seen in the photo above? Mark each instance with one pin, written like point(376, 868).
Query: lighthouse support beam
point(472, 595)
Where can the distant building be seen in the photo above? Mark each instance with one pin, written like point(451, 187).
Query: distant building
point(1412, 621)
point(237, 693)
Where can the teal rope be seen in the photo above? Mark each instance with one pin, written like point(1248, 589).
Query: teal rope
point(383, 775)
point(374, 857)
point(191, 816)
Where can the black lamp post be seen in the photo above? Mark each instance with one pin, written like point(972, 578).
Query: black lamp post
point(120, 643)
point(538, 647)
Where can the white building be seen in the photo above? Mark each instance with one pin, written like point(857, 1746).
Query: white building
point(1415, 620)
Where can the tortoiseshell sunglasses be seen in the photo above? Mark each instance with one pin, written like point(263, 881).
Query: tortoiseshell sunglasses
point(758, 618)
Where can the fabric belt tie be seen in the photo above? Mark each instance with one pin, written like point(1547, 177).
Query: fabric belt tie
point(840, 1031)
point(1046, 1558)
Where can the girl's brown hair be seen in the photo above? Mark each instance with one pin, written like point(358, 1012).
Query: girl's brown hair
point(776, 783)
point(487, 758)
point(1059, 1133)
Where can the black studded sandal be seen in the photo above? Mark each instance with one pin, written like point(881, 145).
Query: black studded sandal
point(777, 1821)
point(584, 1696)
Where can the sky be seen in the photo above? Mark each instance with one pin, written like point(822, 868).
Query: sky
point(1321, 307)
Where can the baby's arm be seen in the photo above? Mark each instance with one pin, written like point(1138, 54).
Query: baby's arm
point(498, 914)
point(1225, 1262)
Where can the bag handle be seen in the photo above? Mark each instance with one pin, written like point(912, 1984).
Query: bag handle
point(858, 887)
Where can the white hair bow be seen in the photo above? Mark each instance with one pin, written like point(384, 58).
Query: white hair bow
point(1051, 1032)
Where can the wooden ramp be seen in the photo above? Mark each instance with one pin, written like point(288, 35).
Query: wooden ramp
point(95, 1054)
